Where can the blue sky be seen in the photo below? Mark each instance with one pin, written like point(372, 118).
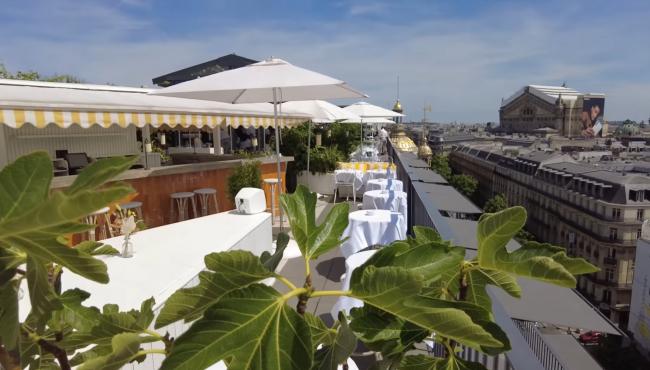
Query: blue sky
point(459, 56)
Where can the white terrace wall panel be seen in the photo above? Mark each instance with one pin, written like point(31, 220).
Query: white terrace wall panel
point(94, 141)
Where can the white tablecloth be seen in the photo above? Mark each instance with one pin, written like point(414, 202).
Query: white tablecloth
point(380, 174)
point(350, 176)
point(385, 184)
point(346, 303)
point(383, 199)
point(372, 227)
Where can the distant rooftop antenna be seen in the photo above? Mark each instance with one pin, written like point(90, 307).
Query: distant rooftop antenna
point(425, 109)
point(397, 87)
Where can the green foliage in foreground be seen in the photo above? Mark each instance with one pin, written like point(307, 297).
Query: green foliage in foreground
point(415, 289)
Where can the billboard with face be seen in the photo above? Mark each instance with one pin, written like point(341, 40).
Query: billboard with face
point(591, 117)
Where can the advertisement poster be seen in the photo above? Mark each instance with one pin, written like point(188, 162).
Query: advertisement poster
point(591, 118)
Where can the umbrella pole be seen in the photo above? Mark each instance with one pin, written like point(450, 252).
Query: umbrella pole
point(277, 152)
point(308, 151)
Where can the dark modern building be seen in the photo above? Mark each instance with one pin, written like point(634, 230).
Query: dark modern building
point(224, 63)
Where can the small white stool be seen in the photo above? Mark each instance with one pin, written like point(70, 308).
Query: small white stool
point(104, 228)
point(204, 195)
point(273, 184)
point(181, 199)
point(133, 206)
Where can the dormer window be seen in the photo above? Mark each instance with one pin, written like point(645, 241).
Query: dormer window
point(637, 195)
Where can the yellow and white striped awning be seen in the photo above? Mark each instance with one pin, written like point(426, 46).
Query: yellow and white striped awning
point(64, 105)
point(16, 118)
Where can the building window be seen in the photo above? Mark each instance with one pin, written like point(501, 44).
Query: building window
point(638, 233)
point(616, 213)
point(637, 196)
point(613, 233)
point(607, 296)
point(609, 275)
point(639, 214)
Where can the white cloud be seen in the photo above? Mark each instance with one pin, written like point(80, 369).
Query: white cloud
point(365, 9)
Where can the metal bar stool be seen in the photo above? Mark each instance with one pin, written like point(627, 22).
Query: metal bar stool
point(204, 195)
point(134, 206)
point(181, 199)
point(273, 184)
point(104, 227)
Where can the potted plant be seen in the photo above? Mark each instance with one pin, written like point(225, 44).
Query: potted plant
point(321, 167)
point(248, 175)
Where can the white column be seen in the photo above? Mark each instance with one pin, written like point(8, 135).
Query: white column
point(146, 139)
point(216, 140)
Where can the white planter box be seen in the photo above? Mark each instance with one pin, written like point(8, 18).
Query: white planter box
point(322, 183)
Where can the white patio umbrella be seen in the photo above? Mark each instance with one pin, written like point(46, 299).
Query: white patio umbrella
point(367, 110)
point(370, 113)
point(272, 80)
point(322, 112)
point(375, 120)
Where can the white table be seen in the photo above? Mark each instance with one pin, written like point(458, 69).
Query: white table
point(166, 259)
point(372, 227)
point(345, 304)
point(384, 199)
point(385, 184)
point(380, 174)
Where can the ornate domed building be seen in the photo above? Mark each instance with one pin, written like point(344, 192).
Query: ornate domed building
point(424, 150)
point(402, 142)
point(627, 129)
point(397, 108)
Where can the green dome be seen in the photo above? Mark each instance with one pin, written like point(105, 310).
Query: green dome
point(627, 129)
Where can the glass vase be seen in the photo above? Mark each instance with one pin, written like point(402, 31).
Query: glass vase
point(127, 248)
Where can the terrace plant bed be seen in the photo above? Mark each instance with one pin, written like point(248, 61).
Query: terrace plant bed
point(321, 183)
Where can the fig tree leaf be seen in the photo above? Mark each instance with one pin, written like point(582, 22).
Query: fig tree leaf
point(479, 278)
point(396, 290)
point(24, 184)
point(33, 221)
point(9, 324)
point(385, 333)
point(228, 271)
point(425, 234)
point(96, 248)
point(41, 294)
point(430, 259)
point(534, 260)
point(95, 327)
point(320, 333)
point(313, 240)
point(36, 232)
point(98, 173)
point(253, 327)
point(271, 262)
point(422, 362)
point(329, 357)
point(124, 348)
